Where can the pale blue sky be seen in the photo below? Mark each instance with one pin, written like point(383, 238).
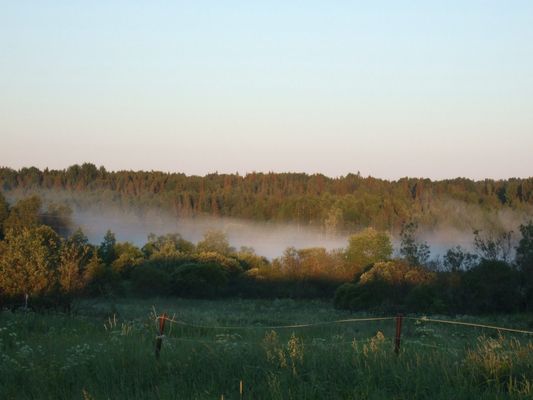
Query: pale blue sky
point(388, 88)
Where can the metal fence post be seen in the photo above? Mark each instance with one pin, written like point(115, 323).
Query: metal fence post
point(397, 340)
point(159, 339)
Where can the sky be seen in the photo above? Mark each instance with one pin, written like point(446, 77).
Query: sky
point(436, 89)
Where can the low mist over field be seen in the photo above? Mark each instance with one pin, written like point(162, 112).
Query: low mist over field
point(452, 223)
point(268, 239)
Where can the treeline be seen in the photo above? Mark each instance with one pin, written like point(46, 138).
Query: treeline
point(345, 204)
point(43, 265)
point(496, 277)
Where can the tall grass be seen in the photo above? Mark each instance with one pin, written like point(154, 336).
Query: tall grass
point(106, 351)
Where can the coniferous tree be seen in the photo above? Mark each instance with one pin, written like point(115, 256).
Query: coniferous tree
point(107, 250)
point(4, 213)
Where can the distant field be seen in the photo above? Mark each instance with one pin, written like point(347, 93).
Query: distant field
point(106, 351)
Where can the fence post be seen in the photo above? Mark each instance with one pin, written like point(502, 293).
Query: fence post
point(241, 390)
point(399, 320)
point(159, 339)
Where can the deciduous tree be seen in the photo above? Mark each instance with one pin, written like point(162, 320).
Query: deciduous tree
point(29, 262)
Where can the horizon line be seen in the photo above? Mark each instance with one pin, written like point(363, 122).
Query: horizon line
point(247, 173)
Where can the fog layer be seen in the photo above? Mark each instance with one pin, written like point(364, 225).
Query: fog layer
point(268, 239)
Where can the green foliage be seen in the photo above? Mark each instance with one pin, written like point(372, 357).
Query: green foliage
point(340, 204)
point(99, 277)
point(199, 280)
point(230, 265)
point(493, 247)
point(315, 263)
point(215, 241)
point(167, 256)
point(26, 213)
point(346, 296)
point(387, 285)
point(23, 215)
point(107, 251)
point(150, 280)
point(397, 273)
point(524, 262)
point(368, 247)
point(168, 244)
point(413, 251)
point(73, 259)
point(78, 238)
point(524, 251)
point(248, 259)
point(491, 286)
point(128, 256)
point(34, 260)
point(59, 218)
point(457, 259)
point(4, 213)
point(29, 262)
point(425, 299)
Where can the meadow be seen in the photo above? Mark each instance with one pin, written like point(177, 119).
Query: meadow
point(104, 349)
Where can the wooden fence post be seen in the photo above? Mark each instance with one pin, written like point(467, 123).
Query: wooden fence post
point(399, 320)
point(159, 339)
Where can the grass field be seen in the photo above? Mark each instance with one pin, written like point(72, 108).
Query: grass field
point(105, 350)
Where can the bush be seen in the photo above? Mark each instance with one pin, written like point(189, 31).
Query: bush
point(424, 298)
point(229, 264)
point(389, 286)
point(199, 280)
point(344, 295)
point(358, 297)
point(492, 286)
point(149, 280)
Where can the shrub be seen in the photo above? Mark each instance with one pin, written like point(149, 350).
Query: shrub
point(229, 264)
point(344, 294)
point(387, 285)
point(128, 257)
point(397, 273)
point(424, 298)
point(363, 297)
point(248, 260)
point(150, 280)
point(491, 286)
point(199, 280)
point(98, 277)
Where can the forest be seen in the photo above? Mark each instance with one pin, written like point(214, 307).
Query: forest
point(44, 262)
point(342, 204)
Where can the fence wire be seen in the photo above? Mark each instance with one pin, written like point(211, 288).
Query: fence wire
point(342, 321)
